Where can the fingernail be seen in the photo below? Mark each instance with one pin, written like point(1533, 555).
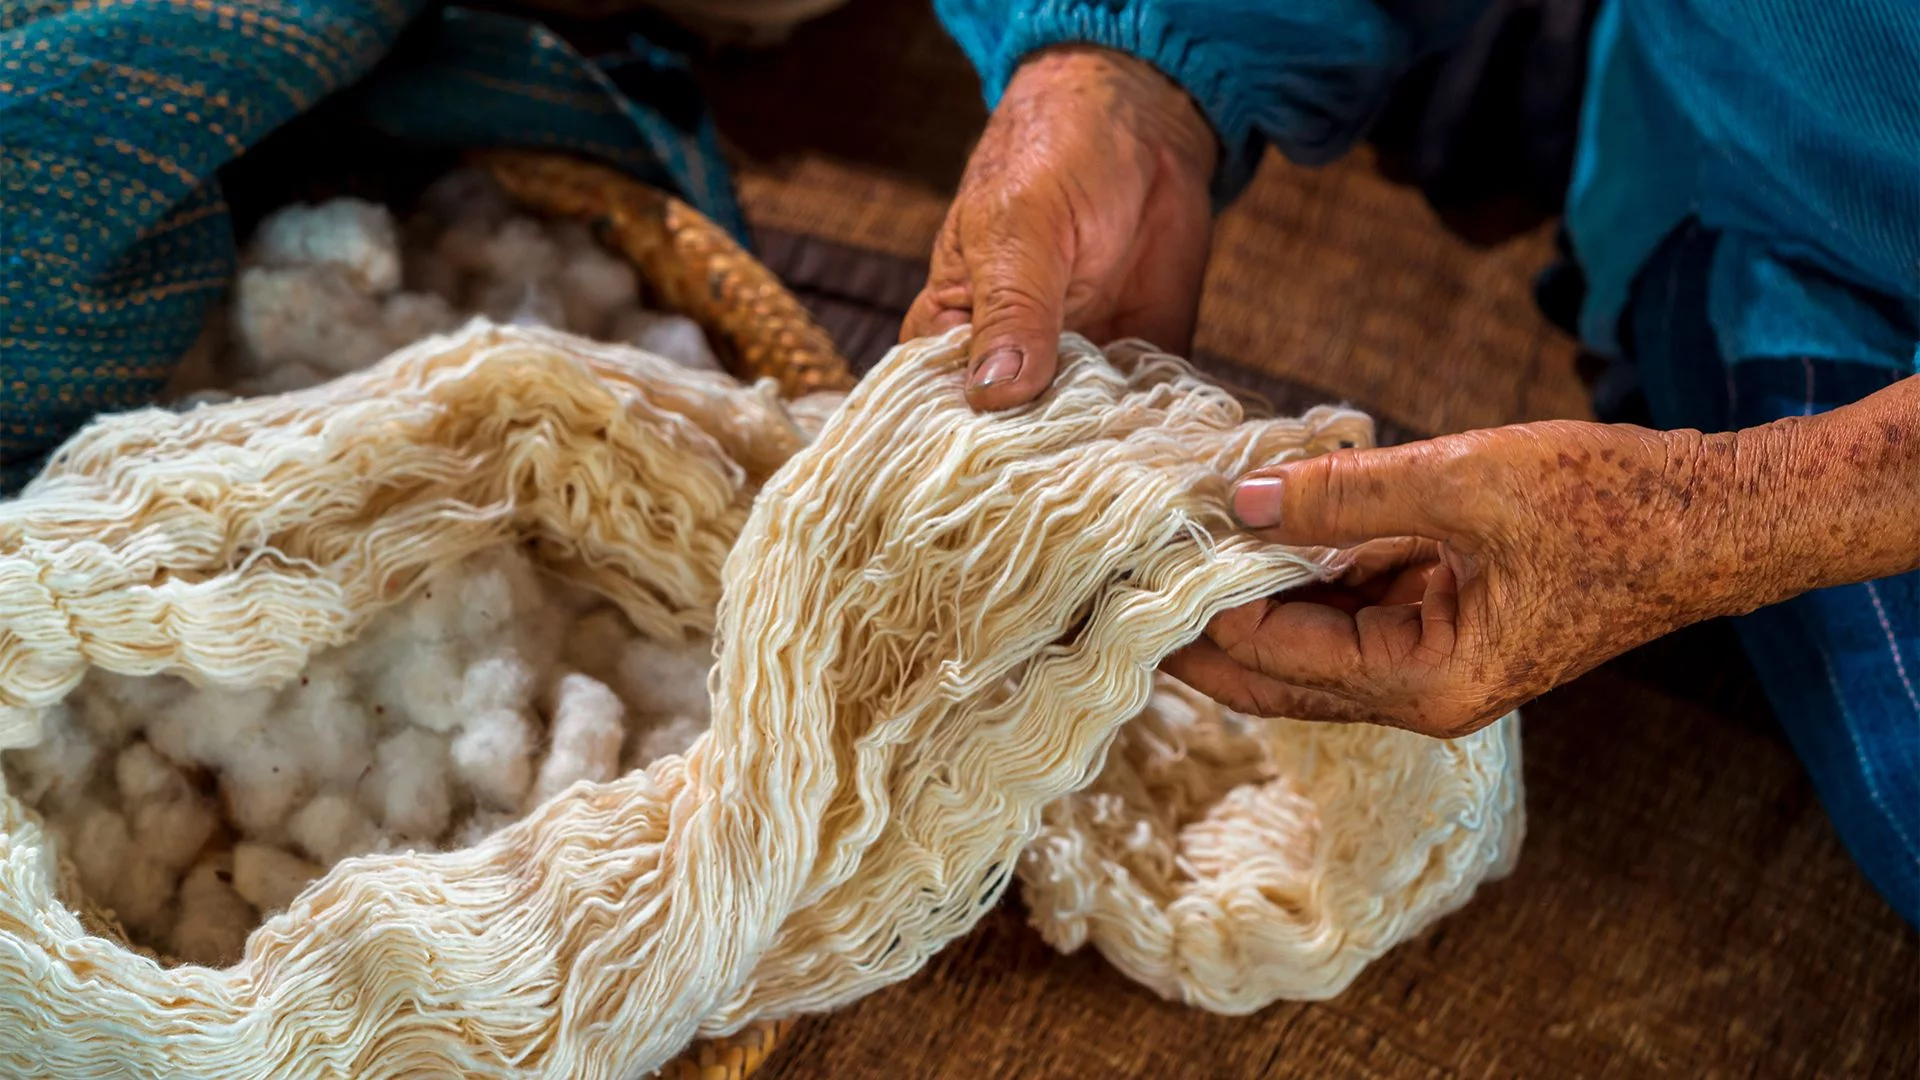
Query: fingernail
point(1256, 502)
point(1002, 366)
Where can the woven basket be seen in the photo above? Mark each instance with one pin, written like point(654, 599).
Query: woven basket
point(759, 330)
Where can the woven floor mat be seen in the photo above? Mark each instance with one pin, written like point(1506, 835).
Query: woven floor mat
point(1682, 907)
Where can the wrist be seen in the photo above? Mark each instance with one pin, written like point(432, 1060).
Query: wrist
point(1123, 89)
point(1810, 502)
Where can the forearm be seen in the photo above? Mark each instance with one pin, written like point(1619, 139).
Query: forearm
point(1816, 501)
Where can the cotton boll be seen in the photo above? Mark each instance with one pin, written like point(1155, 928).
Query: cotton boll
point(310, 316)
point(593, 285)
point(56, 771)
point(203, 728)
point(521, 303)
point(264, 778)
point(587, 731)
point(596, 641)
point(409, 317)
point(336, 730)
point(667, 679)
point(409, 790)
point(521, 252)
point(502, 682)
point(142, 775)
point(332, 827)
point(114, 706)
point(491, 590)
point(675, 337)
point(357, 238)
point(477, 827)
point(432, 616)
point(98, 843)
point(173, 832)
point(423, 685)
point(670, 736)
point(493, 757)
point(214, 919)
point(142, 890)
point(268, 877)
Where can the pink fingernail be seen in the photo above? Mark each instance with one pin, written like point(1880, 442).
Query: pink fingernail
point(1256, 502)
point(1003, 366)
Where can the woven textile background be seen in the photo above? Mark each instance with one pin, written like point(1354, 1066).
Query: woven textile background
point(121, 121)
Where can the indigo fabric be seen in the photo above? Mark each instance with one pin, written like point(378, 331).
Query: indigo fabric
point(121, 123)
point(1841, 666)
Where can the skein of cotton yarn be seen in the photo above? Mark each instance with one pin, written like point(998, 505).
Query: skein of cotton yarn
point(932, 627)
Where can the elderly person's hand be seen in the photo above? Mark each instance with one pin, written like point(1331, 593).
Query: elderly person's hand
point(1489, 567)
point(1085, 208)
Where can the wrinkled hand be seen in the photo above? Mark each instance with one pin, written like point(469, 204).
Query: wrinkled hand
point(1481, 570)
point(1085, 207)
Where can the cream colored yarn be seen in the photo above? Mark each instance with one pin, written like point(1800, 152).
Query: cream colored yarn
point(932, 626)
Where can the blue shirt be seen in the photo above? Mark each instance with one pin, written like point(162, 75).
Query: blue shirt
point(1791, 127)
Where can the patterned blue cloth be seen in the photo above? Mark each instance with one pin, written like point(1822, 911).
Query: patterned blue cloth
point(1841, 666)
point(1792, 128)
point(121, 124)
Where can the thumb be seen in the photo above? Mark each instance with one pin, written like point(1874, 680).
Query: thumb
point(1020, 292)
point(1349, 497)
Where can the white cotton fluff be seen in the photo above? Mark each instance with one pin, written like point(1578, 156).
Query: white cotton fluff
point(98, 844)
point(264, 777)
point(334, 726)
point(587, 730)
point(214, 919)
point(410, 790)
point(500, 682)
point(306, 315)
point(269, 877)
point(665, 737)
point(594, 285)
point(113, 706)
point(332, 827)
point(520, 252)
point(142, 775)
point(408, 317)
point(666, 679)
point(203, 728)
point(56, 771)
point(174, 831)
point(675, 337)
point(422, 686)
point(353, 236)
point(478, 826)
point(143, 893)
point(493, 756)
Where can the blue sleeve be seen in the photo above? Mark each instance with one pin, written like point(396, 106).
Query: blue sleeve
point(1307, 76)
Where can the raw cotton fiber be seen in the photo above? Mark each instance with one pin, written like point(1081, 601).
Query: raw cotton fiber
point(936, 636)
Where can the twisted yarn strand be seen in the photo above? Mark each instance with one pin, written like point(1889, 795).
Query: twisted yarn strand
point(932, 628)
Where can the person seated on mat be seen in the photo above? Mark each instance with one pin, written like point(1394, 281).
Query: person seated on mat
point(1744, 208)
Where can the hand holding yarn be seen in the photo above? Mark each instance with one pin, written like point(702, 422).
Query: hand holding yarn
point(1084, 208)
point(1482, 569)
